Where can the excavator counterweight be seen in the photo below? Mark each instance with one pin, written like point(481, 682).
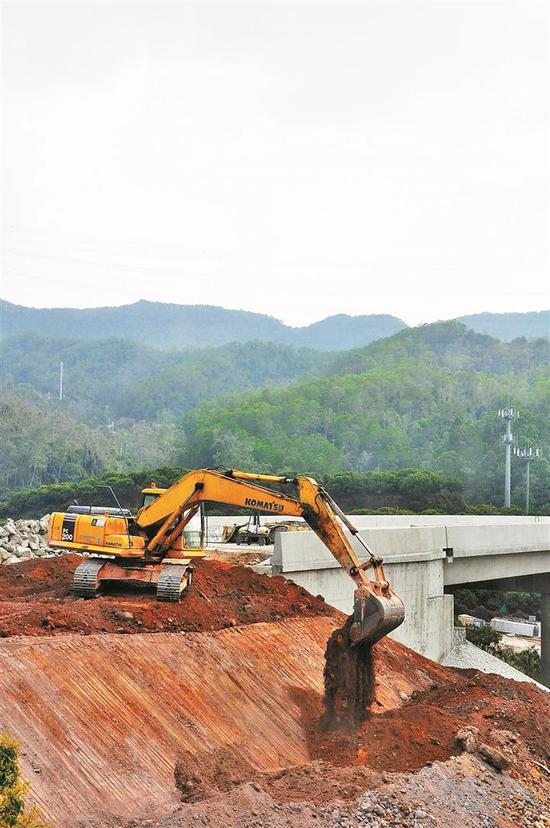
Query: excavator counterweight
point(150, 547)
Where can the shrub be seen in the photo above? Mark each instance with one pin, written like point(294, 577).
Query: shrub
point(486, 638)
point(527, 661)
point(13, 789)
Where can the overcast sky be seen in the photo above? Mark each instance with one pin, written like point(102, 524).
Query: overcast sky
point(298, 159)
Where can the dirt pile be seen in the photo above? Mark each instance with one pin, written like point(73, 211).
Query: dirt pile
point(485, 723)
point(507, 715)
point(461, 792)
point(511, 721)
point(36, 599)
point(349, 678)
point(365, 779)
point(220, 771)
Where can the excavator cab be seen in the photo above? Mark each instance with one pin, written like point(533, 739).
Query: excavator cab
point(150, 494)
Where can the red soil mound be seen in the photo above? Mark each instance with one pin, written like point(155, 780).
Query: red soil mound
point(199, 777)
point(35, 599)
point(423, 730)
point(512, 718)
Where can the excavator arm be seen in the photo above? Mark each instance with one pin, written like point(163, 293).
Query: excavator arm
point(377, 609)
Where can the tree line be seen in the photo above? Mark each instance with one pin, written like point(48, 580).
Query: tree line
point(408, 490)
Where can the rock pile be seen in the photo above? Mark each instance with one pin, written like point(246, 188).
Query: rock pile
point(379, 811)
point(21, 540)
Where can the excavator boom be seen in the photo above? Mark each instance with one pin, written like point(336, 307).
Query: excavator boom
point(377, 609)
point(154, 538)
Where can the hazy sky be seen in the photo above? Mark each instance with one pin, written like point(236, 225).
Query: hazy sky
point(299, 159)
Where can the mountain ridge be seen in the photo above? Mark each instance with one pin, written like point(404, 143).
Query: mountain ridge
point(192, 325)
point(185, 326)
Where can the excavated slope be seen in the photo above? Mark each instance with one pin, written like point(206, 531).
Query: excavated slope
point(102, 719)
point(123, 706)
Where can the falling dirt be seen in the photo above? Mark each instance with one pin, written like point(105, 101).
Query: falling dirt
point(36, 599)
point(349, 678)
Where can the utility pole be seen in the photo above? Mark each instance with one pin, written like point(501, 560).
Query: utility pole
point(508, 414)
point(61, 380)
point(527, 455)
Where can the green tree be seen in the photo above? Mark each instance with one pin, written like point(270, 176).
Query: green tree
point(486, 638)
point(13, 789)
point(527, 661)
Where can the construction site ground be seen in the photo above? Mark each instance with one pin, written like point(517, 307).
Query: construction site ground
point(134, 713)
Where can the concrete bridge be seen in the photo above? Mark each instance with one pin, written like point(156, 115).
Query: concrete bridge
point(424, 555)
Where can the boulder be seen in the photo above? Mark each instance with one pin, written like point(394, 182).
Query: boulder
point(123, 615)
point(493, 756)
point(466, 738)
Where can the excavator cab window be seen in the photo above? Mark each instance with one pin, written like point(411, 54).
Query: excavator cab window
point(150, 494)
point(148, 498)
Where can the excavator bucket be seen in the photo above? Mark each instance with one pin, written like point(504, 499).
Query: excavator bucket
point(375, 614)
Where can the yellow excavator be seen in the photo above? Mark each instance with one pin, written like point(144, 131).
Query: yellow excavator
point(150, 546)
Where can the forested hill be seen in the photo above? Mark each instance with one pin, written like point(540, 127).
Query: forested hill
point(114, 378)
point(448, 345)
point(425, 398)
point(509, 326)
point(176, 326)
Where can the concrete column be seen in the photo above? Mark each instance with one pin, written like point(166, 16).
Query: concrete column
point(545, 638)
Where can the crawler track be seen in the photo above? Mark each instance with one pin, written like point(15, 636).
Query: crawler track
point(173, 581)
point(86, 578)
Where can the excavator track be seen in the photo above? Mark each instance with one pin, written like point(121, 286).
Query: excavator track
point(173, 581)
point(86, 580)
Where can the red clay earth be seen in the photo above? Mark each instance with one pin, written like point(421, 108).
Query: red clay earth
point(36, 599)
point(512, 717)
point(423, 730)
point(409, 728)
